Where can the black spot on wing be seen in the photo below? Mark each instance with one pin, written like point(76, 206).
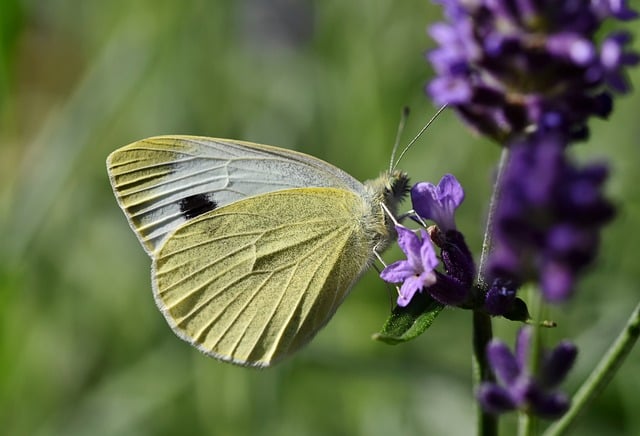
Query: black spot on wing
point(196, 205)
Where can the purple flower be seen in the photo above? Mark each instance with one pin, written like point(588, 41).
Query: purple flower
point(415, 272)
point(500, 297)
point(438, 203)
point(614, 59)
point(505, 65)
point(549, 216)
point(457, 258)
point(517, 388)
point(613, 8)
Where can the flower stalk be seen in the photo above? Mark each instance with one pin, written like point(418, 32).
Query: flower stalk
point(487, 242)
point(602, 374)
point(487, 423)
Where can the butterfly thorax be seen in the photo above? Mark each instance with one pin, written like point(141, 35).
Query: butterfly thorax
point(390, 188)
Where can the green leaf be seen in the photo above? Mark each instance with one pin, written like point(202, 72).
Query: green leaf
point(406, 323)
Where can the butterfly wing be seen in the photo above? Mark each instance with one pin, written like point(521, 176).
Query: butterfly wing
point(164, 181)
point(254, 281)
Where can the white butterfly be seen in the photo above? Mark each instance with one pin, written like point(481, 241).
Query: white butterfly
point(253, 247)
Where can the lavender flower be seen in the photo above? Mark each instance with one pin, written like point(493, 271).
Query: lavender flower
point(438, 203)
point(417, 271)
point(457, 258)
point(549, 216)
point(615, 8)
point(500, 297)
point(517, 388)
point(505, 65)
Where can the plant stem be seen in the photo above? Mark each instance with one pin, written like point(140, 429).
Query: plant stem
point(525, 424)
point(602, 374)
point(528, 423)
point(482, 328)
point(482, 334)
point(487, 243)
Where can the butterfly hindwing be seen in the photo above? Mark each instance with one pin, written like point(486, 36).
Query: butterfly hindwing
point(165, 181)
point(253, 281)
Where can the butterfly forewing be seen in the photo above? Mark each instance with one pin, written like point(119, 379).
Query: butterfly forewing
point(254, 281)
point(165, 181)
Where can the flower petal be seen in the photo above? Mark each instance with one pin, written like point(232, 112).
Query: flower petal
point(557, 282)
point(397, 272)
point(523, 345)
point(448, 290)
point(408, 289)
point(500, 297)
point(428, 257)
point(410, 244)
point(495, 399)
point(550, 406)
point(557, 363)
point(503, 362)
point(451, 189)
point(438, 203)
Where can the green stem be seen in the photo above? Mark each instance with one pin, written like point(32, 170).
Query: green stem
point(602, 374)
point(482, 334)
point(525, 424)
point(482, 329)
point(487, 243)
point(528, 423)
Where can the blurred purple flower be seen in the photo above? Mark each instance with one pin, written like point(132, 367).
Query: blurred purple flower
point(548, 218)
point(615, 8)
point(517, 388)
point(505, 65)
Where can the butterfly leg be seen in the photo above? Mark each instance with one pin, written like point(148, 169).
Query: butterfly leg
point(413, 216)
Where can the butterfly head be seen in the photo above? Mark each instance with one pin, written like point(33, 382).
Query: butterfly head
point(396, 187)
point(389, 189)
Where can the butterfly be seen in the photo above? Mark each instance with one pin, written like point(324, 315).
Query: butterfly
point(253, 247)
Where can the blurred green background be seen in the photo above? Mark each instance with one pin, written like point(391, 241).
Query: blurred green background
point(83, 349)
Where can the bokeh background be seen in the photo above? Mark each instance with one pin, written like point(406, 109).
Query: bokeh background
point(83, 349)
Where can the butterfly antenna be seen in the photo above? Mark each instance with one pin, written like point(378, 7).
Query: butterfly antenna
point(403, 121)
point(426, 126)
